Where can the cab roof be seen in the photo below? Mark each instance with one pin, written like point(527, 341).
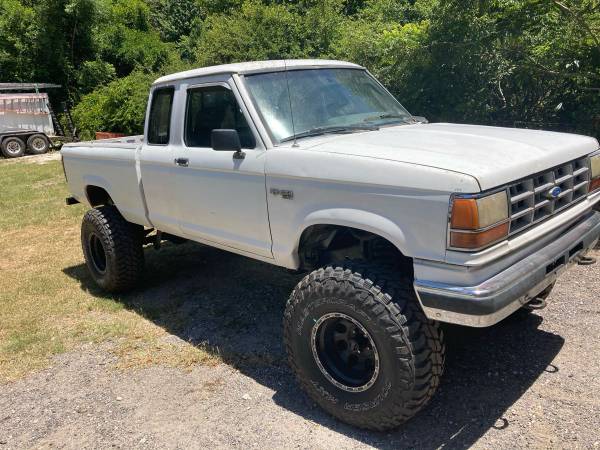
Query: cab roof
point(258, 67)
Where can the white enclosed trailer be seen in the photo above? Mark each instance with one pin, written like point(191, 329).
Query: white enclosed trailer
point(26, 119)
point(27, 111)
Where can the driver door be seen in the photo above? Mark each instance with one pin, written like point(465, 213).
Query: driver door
point(220, 197)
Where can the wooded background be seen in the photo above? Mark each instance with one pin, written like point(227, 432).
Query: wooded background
point(532, 63)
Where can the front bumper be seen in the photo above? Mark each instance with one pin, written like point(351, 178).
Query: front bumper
point(499, 296)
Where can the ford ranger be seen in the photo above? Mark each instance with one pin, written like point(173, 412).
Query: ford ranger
point(400, 224)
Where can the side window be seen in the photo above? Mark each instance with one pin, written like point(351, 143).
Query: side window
point(210, 108)
point(159, 122)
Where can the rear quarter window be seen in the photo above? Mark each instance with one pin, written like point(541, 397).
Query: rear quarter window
point(159, 122)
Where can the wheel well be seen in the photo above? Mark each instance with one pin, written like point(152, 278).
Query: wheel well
point(97, 196)
point(323, 244)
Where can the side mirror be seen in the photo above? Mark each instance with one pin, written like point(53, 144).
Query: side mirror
point(225, 140)
point(420, 119)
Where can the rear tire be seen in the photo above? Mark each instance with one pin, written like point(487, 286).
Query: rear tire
point(37, 144)
point(361, 346)
point(12, 147)
point(112, 248)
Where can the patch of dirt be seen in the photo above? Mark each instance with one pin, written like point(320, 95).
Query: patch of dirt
point(530, 381)
point(32, 159)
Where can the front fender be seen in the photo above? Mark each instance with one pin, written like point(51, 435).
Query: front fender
point(354, 218)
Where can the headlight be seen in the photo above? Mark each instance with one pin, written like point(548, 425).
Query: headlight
point(595, 178)
point(477, 222)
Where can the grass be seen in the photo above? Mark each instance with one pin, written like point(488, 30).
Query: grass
point(44, 311)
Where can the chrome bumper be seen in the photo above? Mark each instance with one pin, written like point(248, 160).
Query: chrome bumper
point(499, 296)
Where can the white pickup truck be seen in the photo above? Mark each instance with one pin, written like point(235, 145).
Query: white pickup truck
point(400, 224)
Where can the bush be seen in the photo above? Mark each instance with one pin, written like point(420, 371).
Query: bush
point(94, 74)
point(494, 62)
point(120, 106)
point(254, 32)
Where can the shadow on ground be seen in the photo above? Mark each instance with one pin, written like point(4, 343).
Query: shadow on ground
point(235, 306)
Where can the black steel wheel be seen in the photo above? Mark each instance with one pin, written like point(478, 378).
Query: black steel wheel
point(360, 344)
point(345, 352)
point(97, 253)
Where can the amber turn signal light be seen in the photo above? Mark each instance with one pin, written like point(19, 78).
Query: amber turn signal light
point(464, 214)
point(478, 239)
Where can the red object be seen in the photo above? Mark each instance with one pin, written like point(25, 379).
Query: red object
point(108, 135)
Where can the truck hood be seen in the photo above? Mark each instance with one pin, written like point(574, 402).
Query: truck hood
point(493, 155)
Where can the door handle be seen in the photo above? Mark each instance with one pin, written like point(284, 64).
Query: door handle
point(183, 162)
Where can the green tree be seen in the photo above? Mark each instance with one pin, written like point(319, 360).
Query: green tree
point(44, 40)
point(174, 18)
point(17, 34)
point(487, 61)
point(125, 37)
point(120, 106)
point(505, 62)
point(254, 32)
point(93, 74)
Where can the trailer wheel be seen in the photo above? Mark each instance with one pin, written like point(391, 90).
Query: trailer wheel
point(12, 147)
point(37, 144)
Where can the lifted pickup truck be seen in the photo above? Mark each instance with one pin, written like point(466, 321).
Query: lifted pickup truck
point(314, 166)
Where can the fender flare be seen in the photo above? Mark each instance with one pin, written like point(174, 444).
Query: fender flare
point(353, 218)
point(97, 181)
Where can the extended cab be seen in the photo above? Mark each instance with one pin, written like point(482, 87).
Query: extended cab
point(314, 166)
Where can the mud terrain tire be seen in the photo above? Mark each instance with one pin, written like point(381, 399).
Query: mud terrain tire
point(379, 303)
point(112, 248)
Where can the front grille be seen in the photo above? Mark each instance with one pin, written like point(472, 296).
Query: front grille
point(530, 201)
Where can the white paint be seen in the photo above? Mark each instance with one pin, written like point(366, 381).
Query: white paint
point(395, 182)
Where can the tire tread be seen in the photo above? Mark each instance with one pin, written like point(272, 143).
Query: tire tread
point(123, 243)
point(390, 297)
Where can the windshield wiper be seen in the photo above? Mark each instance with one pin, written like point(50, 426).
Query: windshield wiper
point(388, 116)
point(318, 131)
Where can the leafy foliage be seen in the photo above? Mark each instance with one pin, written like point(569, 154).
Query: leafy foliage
point(506, 62)
point(232, 37)
point(119, 106)
point(127, 38)
point(93, 74)
point(174, 18)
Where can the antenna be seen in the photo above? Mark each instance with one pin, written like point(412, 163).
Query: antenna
point(287, 82)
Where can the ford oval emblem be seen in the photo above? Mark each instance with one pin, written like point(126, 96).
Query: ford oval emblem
point(554, 192)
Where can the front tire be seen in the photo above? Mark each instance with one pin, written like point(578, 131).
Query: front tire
point(112, 248)
point(361, 346)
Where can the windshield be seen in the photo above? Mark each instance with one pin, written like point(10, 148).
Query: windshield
point(322, 100)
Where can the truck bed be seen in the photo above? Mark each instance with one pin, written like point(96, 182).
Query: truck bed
point(122, 142)
point(110, 164)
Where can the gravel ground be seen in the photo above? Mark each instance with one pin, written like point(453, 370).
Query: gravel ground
point(530, 381)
